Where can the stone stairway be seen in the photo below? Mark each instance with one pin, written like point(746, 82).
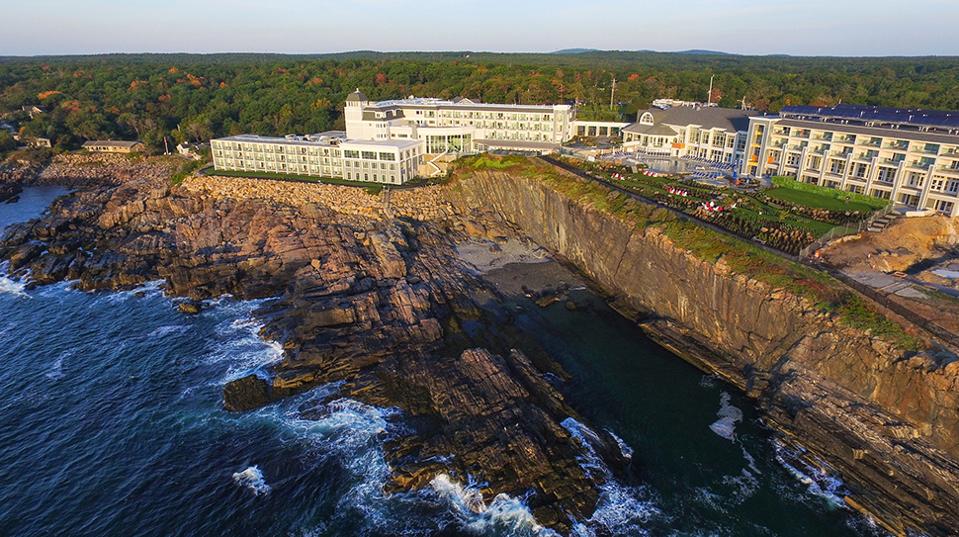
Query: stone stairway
point(882, 222)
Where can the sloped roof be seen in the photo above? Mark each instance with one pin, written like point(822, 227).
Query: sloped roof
point(707, 117)
point(110, 143)
point(652, 130)
point(356, 96)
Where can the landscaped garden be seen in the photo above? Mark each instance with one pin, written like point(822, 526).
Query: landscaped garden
point(788, 217)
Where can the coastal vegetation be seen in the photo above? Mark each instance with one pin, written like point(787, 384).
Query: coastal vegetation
point(826, 294)
point(786, 224)
point(175, 98)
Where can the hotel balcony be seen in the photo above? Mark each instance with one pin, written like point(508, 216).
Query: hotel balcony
point(919, 165)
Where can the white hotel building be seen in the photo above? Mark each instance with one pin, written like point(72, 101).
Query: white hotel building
point(908, 156)
point(393, 141)
point(682, 129)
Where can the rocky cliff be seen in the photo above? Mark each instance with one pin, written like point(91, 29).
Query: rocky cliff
point(373, 304)
point(885, 419)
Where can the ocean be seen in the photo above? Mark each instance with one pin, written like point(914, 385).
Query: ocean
point(112, 424)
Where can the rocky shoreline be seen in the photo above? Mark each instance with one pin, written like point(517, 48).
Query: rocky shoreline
point(378, 299)
point(377, 305)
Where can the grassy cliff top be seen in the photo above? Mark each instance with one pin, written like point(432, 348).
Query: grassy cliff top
point(739, 255)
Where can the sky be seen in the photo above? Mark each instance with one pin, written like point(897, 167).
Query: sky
point(798, 27)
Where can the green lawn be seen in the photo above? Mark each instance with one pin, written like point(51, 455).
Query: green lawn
point(826, 198)
point(816, 200)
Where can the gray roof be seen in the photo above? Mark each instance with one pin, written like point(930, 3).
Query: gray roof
point(651, 130)
point(708, 117)
point(356, 96)
point(875, 131)
point(518, 144)
point(110, 143)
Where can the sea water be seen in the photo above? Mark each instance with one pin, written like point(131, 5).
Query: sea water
point(112, 424)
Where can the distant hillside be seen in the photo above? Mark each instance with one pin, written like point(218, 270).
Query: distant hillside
point(702, 52)
point(575, 50)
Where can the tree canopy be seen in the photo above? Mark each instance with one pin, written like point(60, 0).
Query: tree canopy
point(195, 97)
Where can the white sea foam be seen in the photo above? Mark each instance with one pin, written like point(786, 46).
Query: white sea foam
point(252, 478)
point(504, 513)
point(244, 350)
point(12, 286)
point(818, 482)
point(166, 330)
point(55, 372)
point(350, 433)
point(149, 289)
point(729, 416)
point(621, 509)
point(707, 381)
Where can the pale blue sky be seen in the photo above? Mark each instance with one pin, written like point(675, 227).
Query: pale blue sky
point(811, 27)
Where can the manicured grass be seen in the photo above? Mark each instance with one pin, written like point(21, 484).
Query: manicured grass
point(816, 200)
point(493, 162)
point(817, 193)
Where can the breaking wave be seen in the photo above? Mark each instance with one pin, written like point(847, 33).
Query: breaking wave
point(503, 514)
point(12, 286)
point(252, 478)
point(621, 509)
point(243, 350)
point(818, 482)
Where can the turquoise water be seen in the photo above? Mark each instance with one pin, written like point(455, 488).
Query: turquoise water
point(112, 424)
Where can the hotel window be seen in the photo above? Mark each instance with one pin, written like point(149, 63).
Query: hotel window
point(952, 187)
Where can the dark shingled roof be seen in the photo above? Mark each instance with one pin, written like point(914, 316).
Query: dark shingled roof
point(356, 96)
point(711, 117)
point(652, 130)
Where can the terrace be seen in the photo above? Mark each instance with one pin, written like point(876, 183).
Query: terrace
point(787, 217)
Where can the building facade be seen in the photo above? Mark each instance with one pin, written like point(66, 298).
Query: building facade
point(321, 155)
point(908, 156)
point(706, 132)
point(459, 126)
point(112, 146)
point(394, 141)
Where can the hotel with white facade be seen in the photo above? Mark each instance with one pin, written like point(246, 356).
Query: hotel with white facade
point(393, 141)
point(690, 130)
point(908, 156)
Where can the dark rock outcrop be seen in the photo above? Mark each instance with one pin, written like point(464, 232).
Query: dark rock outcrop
point(886, 420)
point(374, 305)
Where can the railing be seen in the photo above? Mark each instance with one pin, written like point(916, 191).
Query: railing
point(939, 334)
point(842, 231)
point(676, 212)
point(945, 337)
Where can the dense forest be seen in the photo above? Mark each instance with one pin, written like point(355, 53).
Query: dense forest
point(195, 97)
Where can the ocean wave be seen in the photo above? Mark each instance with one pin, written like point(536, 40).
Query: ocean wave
point(504, 513)
point(252, 478)
point(166, 330)
point(621, 509)
point(243, 349)
point(818, 481)
point(729, 416)
point(151, 288)
point(349, 433)
point(13, 286)
point(55, 372)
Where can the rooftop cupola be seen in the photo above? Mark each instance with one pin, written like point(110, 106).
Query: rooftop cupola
point(357, 98)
